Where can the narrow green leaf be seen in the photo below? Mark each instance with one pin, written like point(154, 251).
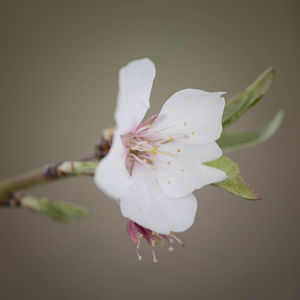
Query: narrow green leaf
point(58, 211)
point(232, 141)
point(237, 106)
point(234, 183)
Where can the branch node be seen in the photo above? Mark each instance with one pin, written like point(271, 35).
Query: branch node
point(11, 201)
point(51, 171)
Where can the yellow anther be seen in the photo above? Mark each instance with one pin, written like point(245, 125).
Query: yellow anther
point(140, 209)
point(169, 182)
point(182, 170)
point(171, 138)
point(169, 162)
point(192, 132)
point(178, 150)
point(171, 248)
point(154, 134)
point(136, 146)
point(139, 257)
point(155, 260)
point(144, 160)
point(185, 123)
point(155, 147)
point(153, 152)
point(186, 135)
point(152, 166)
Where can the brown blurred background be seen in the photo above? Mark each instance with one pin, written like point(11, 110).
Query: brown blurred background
point(59, 78)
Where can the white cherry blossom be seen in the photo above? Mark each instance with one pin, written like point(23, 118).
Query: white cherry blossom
point(154, 166)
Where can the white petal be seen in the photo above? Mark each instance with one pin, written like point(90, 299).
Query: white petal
point(181, 175)
point(135, 84)
point(192, 113)
point(112, 176)
point(146, 204)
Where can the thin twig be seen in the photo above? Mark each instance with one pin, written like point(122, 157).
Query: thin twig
point(49, 173)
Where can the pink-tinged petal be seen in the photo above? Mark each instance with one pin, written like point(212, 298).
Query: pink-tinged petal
point(193, 115)
point(133, 233)
point(135, 84)
point(181, 174)
point(111, 175)
point(146, 204)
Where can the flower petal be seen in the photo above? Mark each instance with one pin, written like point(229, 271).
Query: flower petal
point(135, 84)
point(180, 175)
point(111, 175)
point(194, 114)
point(146, 204)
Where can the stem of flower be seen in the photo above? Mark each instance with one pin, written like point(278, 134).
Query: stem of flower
point(49, 173)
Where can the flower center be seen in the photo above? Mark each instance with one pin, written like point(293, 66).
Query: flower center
point(144, 145)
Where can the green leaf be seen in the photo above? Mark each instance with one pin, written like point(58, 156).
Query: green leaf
point(237, 106)
point(58, 211)
point(232, 141)
point(234, 183)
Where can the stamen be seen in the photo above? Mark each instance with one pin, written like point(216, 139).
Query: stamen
point(186, 135)
point(171, 138)
point(167, 153)
point(138, 253)
point(144, 127)
point(182, 170)
point(137, 158)
point(185, 123)
point(169, 241)
point(192, 132)
point(169, 162)
point(153, 255)
point(155, 147)
point(178, 150)
point(169, 182)
point(150, 243)
point(178, 240)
